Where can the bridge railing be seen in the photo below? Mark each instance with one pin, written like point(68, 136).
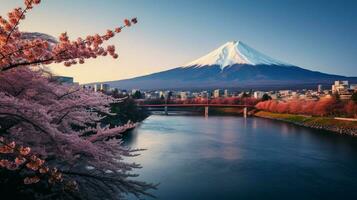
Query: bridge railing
point(195, 105)
point(199, 101)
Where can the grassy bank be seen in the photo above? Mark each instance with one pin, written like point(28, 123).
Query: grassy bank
point(325, 123)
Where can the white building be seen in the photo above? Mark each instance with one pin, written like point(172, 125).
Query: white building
point(161, 94)
point(133, 91)
point(353, 86)
point(104, 87)
point(285, 93)
point(204, 94)
point(216, 93)
point(96, 87)
point(258, 94)
point(340, 86)
point(226, 93)
point(183, 95)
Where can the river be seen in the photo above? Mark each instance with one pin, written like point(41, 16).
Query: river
point(219, 158)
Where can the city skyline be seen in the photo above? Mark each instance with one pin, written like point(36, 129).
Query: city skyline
point(302, 33)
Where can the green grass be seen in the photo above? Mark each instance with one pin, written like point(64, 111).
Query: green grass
point(308, 120)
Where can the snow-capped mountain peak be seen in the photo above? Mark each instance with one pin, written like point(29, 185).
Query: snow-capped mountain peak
point(231, 53)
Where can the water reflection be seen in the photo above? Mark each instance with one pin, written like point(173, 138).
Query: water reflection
point(193, 157)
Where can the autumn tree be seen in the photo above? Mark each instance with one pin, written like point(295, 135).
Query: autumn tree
point(354, 97)
point(351, 109)
point(282, 107)
point(327, 106)
point(324, 106)
point(266, 97)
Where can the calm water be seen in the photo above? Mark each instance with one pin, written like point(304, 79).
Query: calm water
point(193, 157)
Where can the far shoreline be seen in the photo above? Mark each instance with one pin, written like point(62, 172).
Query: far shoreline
point(348, 128)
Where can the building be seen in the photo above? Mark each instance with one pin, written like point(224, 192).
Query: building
point(96, 87)
point(64, 79)
point(343, 89)
point(204, 94)
point(134, 90)
point(258, 94)
point(226, 93)
point(285, 93)
point(105, 87)
point(274, 96)
point(162, 94)
point(101, 87)
point(340, 87)
point(217, 93)
point(353, 87)
point(319, 88)
point(183, 95)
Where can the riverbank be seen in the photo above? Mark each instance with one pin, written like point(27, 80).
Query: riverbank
point(323, 123)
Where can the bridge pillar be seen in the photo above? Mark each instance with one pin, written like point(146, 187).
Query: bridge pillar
point(245, 111)
point(166, 110)
point(206, 111)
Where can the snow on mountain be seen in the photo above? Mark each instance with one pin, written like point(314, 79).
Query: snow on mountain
point(231, 53)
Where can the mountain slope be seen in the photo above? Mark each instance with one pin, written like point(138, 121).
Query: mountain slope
point(232, 65)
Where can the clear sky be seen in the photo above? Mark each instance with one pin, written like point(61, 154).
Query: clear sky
point(315, 34)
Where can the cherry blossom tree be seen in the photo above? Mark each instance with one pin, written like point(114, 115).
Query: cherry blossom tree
point(50, 133)
point(17, 51)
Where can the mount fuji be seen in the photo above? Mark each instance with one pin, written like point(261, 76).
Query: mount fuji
point(233, 53)
point(232, 65)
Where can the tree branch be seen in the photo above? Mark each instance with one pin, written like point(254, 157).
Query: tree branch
point(17, 23)
point(25, 64)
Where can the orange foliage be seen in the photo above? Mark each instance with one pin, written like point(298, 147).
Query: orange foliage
point(322, 107)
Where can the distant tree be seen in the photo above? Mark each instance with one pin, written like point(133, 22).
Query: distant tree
point(245, 95)
point(273, 107)
point(125, 111)
point(137, 95)
point(351, 109)
point(295, 106)
point(169, 95)
point(337, 96)
point(263, 105)
point(307, 108)
point(266, 97)
point(115, 93)
point(354, 97)
point(282, 107)
point(324, 107)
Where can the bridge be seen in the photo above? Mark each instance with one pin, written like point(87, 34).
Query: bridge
point(206, 106)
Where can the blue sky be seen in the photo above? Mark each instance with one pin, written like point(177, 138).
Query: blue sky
point(317, 35)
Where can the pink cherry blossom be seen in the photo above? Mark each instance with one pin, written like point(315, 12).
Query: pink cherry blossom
point(54, 124)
